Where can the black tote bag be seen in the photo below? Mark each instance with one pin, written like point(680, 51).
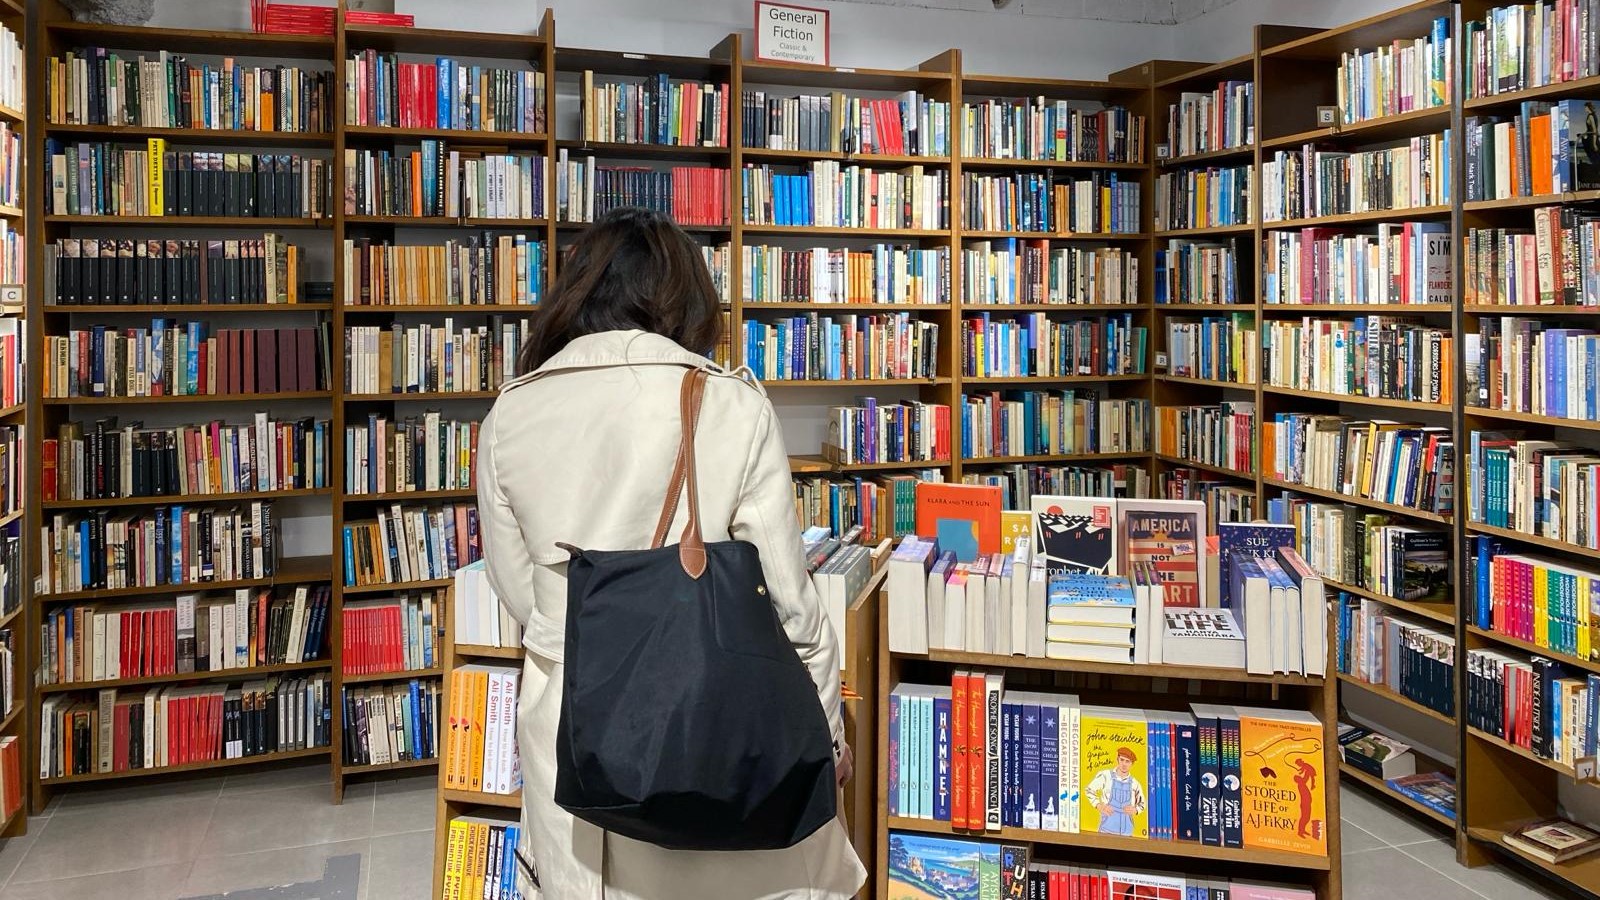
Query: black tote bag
point(687, 719)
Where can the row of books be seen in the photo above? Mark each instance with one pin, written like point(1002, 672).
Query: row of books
point(1213, 347)
point(1371, 356)
point(91, 178)
point(391, 723)
point(1035, 128)
point(837, 195)
point(12, 64)
point(429, 358)
point(106, 461)
point(12, 461)
point(1533, 703)
point(381, 90)
point(1529, 366)
point(878, 432)
point(1019, 483)
point(1536, 599)
point(13, 360)
point(1548, 266)
point(406, 544)
point(11, 781)
point(11, 165)
point(1033, 344)
point(485, 269)
point(692, 195)
point(1034, 423)
point(168, 545)
point(965, 868)
point(1405, 262)
point(1368, 550)
point(478, 618)
point(480, 858)
point(1208, 121)
point(1542, 488)
point(653, 110)
point(192, 633)
point(881, 273)
point(1212, 197)
point(1312, 181)
point(1401, 463)
point(171, 359)
point(883, 505)
point(817, 347)
point(417, 453)
point(153, 271)
point(1402, 77)
point(1220, 435)
point(839, 566)
point(13, 255)
point(1035, 203)
point(1010, 271)
point(982, 757)
point(434, 181)
point(1378, 645)
point(96, 86)
point(1526, 45)
point(129, 730)
point(1224, 501)
point(394, 634)
point(480, 749)
point(907, 124)
point(1197, 271)
point(1547, 148)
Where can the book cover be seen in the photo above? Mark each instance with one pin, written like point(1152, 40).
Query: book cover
point(1015, 525)
point(923, 867)
point(1141, 885)
point(1257, 540)
point(1113, 758)
point(1582, 118)
point(1376, 754)
point(1075, 534)
point(1013, 872)
point(1436, 790)
point(1282, 780)
point(1166, 534)
point(963, 518)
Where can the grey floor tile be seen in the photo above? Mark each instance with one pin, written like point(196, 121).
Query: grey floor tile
point(1383, 821)
point(140, 793)
point(1390, 873)
point(318, 773)
point(405, 805)
point(151, 883)
point(292, 817)
point(15, 849)
point(401, 867)
point(333, 871)
point(1355, 839)
point(115, 838)
point(1497, 882)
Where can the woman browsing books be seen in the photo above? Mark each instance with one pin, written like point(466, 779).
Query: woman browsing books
point(579, 452)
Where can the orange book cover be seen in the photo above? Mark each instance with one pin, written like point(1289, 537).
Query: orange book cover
point(965, 518)
point(958, 750)
point(1283, 780)
point(475, 717)
point(1539, 153)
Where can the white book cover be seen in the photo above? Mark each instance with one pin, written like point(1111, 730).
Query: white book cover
point(938, 575)
point(1075, 534)
point(1067, 770)
point(491, 730)
point(1021, 556)
point(509, 772)
point(974, 639)
point(992, 613)
point(1037, 611)
point(993, 694)
point(907, 581)
point(955, 609)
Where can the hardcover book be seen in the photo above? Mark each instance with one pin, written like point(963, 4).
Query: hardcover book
point(1256, 540)
point(1582, 145)
point(1553, 840)
point(1376, 754)
point(964, 518)
point(1076, 534)
point(1166, 534)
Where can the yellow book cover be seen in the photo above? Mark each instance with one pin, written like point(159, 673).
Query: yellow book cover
point(455, 850)
point(1282, 769)
point(1541, 606)
point(1585, 619)
point(157, 199)
point(453, 773)
point(1114, 770)
point(472, 885)
point(475, 715)
point(1015, 525)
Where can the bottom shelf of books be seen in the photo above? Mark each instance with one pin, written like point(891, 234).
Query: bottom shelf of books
point(1398, 772)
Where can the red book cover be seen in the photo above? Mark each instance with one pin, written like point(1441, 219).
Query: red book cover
point(965, 518)
point(47, 470)
point(306, 358)
point(977, 753)
point(722, 117)
point(958, 750)
point(266, 361)
point(247, 361)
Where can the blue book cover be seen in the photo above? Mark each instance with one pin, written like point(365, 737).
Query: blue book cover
point(1255, 540)
point(946, 868)
point(1049, 765)
point(1229, 758)
point(1186, 771)
point(1031, 762)
point(1013, 764)
point(897, 757)
point(1209, 813)
point(941, 759)
point(925, 757)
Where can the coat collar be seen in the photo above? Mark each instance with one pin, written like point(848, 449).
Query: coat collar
point(622, 348)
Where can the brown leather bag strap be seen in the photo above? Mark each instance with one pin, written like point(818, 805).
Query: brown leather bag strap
point(692, 548)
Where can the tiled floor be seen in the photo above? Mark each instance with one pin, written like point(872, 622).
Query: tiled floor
point(275, 836)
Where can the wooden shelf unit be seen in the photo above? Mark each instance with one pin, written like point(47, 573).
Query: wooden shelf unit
point(22, 522)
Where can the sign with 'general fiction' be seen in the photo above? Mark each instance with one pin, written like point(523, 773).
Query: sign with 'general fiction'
point(787, 33)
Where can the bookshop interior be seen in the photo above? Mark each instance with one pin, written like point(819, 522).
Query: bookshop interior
point(1191, 410)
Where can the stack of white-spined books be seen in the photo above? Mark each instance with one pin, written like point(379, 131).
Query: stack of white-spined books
point(1090, 618)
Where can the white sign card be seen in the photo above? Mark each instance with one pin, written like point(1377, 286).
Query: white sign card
point(797, 34)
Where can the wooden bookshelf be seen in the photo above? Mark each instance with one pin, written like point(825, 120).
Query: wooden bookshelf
point(23, 522)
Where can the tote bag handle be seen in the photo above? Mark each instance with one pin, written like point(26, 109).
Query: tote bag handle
point(691, 546)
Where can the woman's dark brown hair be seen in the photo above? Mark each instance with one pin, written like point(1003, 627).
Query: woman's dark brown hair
point(634, 268)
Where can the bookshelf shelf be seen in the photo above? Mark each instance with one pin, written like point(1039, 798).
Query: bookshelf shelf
point(445, 222)
point(824, 231)
point(1085, 308)
point(842, 78)
point(1201, 673)
point(10, 212)
point(1112, 90)
point(691, 228)
point(1479, 206)
point(9, 411)
point(1208, 231)
point(244, 672)
point(715, 67)
point(190, 398)
point(396, 586)
point(479, 798)
point(440, 41)
point(875, 160)
point(1443, 613)
point(627, 150)
point(184, 308)
point(483, 651)
point(1379, 785)
point(1576, 87)
point(986, 380)
point(13, 717)
point(280, 756)
point(173, 499)
point(421, 395)
point(1484, 412)
point(1538, 540)
point(380, 133)
point(8, 618)
point(371, 768)
point(1384, 692)
point(405, 496)
point(1091, 841)
point(1204, 467)
point(291, 570)
point(1503, 309)
point(1053, 458)
point(1207, 382)
point(194, 40)
point(818, 465)
point(1226, 154)
point(400, 675)
point(1583, 872)
point(1205, 307)
point(1354, 500)
point(265, 223)
point(1052, 235)
point(1523, 752)
point(754, 306)
point(1362, 399)
point(1357, 309)
point(9, 114)
point(1377, 215)
point(223, 137)
point(854, 383)
point(1486, 634)
point(979, 162)
point(1237, 68)
point(1384, 128)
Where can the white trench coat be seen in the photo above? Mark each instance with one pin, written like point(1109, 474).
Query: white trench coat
point(580, 452)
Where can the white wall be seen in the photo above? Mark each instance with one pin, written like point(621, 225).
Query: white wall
point(1230, 30)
